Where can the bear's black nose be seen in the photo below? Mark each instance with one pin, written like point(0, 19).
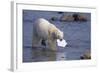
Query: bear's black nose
point(61, 39)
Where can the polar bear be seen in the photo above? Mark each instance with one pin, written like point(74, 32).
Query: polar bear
point(44, 30)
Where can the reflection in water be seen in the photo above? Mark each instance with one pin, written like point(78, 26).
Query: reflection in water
point(61, 56)
point(43, 55)
point(47, 55)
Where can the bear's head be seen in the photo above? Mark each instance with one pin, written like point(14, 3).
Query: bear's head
point(55, 33)
point(58, 35)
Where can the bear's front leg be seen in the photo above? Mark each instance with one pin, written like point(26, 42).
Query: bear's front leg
point(52, 45)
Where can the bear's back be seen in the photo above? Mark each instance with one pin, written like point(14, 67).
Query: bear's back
point(41, 27)
point(42, 23)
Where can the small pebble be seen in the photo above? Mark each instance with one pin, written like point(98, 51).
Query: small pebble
point(62, 57)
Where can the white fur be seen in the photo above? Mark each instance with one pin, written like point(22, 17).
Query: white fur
point(43, 29)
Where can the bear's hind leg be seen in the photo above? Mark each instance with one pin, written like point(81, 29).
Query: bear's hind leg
point(36, 41)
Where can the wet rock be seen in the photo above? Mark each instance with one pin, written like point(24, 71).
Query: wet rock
point(62, 57)
point(86, 55)
point(54, 18)
point(82, 18)
point(60, 12)
point(76, 17)
point(66, 18)
point(79, 17)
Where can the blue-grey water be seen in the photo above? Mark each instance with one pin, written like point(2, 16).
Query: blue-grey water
point(77, 34)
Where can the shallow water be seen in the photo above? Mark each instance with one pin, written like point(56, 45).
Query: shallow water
point(77, 35)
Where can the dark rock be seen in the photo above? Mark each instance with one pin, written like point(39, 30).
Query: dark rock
point(79, 17)
point(60, 12)
point(54, 18)
point(66, 18)
point(76, 17)
point(86, 55)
